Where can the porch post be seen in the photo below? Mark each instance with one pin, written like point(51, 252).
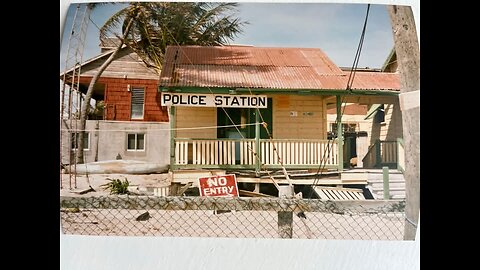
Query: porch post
point(378, 154)
point(172, 137)
point(257, 143)
point(339, 134)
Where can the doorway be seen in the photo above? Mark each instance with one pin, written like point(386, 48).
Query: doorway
point(243, 117)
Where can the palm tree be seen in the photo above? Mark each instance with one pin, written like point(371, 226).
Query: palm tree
point(149, 27)
point(170, 23)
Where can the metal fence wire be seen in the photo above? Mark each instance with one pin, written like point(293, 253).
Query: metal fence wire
point(237, 217)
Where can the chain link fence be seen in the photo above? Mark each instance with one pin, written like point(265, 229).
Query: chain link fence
point(239, 217)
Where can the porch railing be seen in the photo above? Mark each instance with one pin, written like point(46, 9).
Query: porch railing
point(381, 153)
point(240, 153)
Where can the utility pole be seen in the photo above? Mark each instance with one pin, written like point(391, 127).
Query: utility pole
point(408, 55)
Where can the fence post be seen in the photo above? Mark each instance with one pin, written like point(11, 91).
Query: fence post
point(386, 184)
point(285, 218)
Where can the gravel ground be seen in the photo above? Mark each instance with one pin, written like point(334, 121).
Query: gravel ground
point(235, 224)
point(199, 223)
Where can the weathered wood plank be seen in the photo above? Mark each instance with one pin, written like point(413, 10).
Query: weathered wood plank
point(294, 181)
point(337, 193)
point(343, 189)
point(252, 193)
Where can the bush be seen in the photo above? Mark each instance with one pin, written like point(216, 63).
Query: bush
point(116, 186)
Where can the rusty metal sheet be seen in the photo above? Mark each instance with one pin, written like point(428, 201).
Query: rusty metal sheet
point(272, 68)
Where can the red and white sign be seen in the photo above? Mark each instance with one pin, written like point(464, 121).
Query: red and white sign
point(218, 186)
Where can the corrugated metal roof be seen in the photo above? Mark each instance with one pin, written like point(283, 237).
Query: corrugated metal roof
point(255, 67)
point(375, 81)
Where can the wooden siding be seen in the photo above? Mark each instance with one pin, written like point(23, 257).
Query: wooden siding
point(309, 122)
point(187, 117)
point(391, 129)
point(118, 100)
point(126, 63)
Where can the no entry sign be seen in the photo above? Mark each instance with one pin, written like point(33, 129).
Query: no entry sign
point(218, 186)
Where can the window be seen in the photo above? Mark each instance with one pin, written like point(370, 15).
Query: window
point(86, 140)
point(380, 115)
point(138, 101)
point(136, 142)
point(377, 112)
point(346, 127)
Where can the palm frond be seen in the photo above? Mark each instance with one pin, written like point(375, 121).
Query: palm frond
point(113, 22)
point(159, 24)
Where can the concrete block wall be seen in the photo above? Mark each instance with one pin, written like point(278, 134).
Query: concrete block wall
point(108, 140)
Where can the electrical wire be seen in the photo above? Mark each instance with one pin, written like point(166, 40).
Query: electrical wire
point(164, 129)
point(249, 148)
point(348, 88)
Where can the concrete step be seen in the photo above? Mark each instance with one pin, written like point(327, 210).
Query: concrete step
point(380, 189)
point(394, 191)
point(393, 195)
point(391, 186)
point(389, 180)
point(391, 192)
point(396, 188)
point(374, 178)
point(380, 177)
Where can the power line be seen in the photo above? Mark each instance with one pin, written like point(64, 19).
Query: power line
point(351, 78)
point(249, 148)
point(164, 129)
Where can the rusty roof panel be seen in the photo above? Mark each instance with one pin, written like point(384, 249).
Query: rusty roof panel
point(250, 56)
point(272, 68)
point(247, 76)
point(376, 81)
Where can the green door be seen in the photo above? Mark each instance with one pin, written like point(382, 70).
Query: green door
point(241, 116)
point(266, 116)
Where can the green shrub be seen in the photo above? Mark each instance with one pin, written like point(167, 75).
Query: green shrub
point(116, 186)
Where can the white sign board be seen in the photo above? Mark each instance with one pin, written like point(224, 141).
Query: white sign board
point(213, 100)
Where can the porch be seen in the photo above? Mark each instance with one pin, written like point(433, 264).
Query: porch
point(241, 154)
point(385, 153)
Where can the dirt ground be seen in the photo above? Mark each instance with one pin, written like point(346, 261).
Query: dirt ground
point(138, 183)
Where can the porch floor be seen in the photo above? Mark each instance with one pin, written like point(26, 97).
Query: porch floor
point(297, 177)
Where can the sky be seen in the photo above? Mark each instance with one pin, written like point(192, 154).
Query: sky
point(333, 28)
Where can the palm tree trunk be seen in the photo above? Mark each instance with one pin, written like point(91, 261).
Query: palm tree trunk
point(88, 95)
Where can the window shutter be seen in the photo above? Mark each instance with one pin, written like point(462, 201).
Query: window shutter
point(138, 98)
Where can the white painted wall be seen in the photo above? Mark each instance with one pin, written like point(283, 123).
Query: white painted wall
point(111, 140)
